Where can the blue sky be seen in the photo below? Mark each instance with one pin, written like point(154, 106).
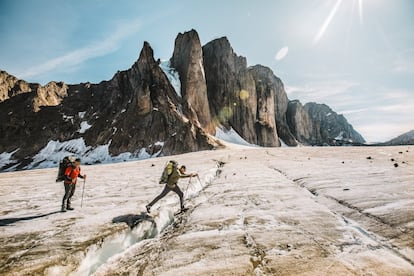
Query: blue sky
point(355, 55)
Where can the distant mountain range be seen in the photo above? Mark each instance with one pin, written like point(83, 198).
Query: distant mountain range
point(159, 108)
point(404, 139)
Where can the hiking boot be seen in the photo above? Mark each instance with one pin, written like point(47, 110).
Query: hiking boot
point(148, 207)
point(70, 208)
point(63, 209)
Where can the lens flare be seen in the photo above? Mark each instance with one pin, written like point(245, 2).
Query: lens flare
point(225, 114)
point(281, 54)
point(244, 95)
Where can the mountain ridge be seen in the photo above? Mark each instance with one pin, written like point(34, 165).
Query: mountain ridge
point(138, 113)
point(406, 138)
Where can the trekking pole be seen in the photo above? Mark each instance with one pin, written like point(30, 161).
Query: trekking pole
point(189, 182)
point(83, 191)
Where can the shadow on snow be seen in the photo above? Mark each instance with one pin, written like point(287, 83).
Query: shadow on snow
point(133, 220)
point(8, 221)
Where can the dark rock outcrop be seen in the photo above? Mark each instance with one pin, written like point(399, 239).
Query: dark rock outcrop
point(187, 59)
point(329, 126)
point(299, 122)
point(318, 124)
point(266, 130)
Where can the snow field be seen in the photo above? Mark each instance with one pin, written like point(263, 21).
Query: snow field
point(279, 211)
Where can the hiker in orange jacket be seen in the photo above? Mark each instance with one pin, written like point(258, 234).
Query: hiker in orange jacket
point(71, 176)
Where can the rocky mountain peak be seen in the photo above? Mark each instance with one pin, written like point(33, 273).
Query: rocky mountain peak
point(147, 53)
point(187, 59)
point(318, 124)
point(222, 49)
point(51, 94)
point(11, 86)
point(157, 109)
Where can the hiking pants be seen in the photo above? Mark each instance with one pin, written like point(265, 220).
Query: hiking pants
point(166, 190)
point(69, 191)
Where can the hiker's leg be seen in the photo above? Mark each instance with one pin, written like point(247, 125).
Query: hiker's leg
point(178, 191)
point(72, 191)
point(161, 195)
point(66, 196)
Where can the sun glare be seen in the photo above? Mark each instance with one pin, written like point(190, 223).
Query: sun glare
point(332, 14)
point(361, 19)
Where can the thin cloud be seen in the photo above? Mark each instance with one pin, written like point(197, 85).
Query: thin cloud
point(353, 111)
point(79, 56)
point(321, 90)
point(405, 62)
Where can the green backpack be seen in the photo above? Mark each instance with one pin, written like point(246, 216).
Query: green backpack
point(168, 169)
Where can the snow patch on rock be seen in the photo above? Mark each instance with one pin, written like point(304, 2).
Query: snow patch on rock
point(82, 114)
point(340, 136)
point(55, 151)
point(231, 136)
point(172, 76)
point(84, 126)
point(282, 143)
point(6, 158)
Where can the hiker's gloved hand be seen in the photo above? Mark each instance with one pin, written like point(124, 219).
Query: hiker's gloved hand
point(84, 176)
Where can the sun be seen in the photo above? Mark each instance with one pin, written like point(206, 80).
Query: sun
point(331, 15)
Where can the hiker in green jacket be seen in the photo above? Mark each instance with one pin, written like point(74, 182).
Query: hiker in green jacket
point(171, 185)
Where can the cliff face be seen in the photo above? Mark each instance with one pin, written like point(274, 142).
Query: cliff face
point(266, 130)
point(187, 59)
point(271, 85)
point(299, 122)
point(230, 89)
point(251, 100)
point(138, 113)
